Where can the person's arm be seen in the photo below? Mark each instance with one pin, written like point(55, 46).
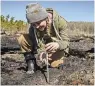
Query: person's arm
point(63, 32)
point(63, 42)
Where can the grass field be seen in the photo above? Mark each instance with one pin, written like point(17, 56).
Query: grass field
point(81, 29)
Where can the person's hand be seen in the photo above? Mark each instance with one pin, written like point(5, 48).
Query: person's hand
point(52, 46)
point(43, 56)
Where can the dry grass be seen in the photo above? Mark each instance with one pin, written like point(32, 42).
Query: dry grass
point(84, 29)
point(77, 29)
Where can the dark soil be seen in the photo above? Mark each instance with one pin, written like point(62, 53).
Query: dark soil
point(78, 68)
point(75, 71)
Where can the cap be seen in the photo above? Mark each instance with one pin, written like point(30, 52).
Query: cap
point(35, 12)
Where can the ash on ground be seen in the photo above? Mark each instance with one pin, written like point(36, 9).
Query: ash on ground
point(78, 68)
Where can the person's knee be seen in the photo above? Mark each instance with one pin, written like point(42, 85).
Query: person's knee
point(57, 58)
point(20, 39)
point(25, 43)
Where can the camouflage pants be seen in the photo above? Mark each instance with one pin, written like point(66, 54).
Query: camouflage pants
point(26, 46)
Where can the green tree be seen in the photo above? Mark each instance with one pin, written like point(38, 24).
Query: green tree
point(10, 24)
point(7, 18)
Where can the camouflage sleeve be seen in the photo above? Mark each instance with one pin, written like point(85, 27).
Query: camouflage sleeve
point(63, 32)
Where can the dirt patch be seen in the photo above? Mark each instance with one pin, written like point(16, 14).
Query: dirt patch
point(75, 71)
point(78, 67)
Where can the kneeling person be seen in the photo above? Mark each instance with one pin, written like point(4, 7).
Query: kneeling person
point(47, 32)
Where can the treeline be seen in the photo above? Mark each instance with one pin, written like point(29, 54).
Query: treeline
point(10, 24)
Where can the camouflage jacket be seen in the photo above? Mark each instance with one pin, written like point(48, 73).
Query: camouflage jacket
point(60, 27)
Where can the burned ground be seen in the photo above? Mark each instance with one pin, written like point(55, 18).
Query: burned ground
point(75, 71)
point(78, 68)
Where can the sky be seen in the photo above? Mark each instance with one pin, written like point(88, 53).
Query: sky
point(70, 10)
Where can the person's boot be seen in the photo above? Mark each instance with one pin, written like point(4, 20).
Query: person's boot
point(30, 67)
point(31, 63)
